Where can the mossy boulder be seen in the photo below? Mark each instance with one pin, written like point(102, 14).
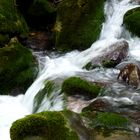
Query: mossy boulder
point(44, 125)
point(78, 23)
point(11, 21)
point(38, 13)
point(78, 86)
point(17, 67)
point(106, 122)
point(132, 21)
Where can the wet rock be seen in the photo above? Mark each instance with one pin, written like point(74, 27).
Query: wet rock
point(132, 21)
point(98, 105)
point(116, 53)
point(137, 1)
point(117, 135)
point(130, 74)
point(39, 41)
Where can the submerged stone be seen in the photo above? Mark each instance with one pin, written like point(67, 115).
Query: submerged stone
point(115, 54)
point(105, 123)
point(130, 74)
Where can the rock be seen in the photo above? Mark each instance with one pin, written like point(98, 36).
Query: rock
point(17, 67)
point(132, 21)
point(116, 53)
point(137, 1)
point(78, 86)
point(11, 21)
point(39, 41)
point(130, 74)
point(45, 125)
point(99, 105)
point(78, 29)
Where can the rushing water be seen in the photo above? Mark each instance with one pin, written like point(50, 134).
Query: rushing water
point(70, 64)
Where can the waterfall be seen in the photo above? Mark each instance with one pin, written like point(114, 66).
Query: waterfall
point(68, 65)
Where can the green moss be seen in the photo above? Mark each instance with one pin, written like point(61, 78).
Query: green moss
point(11, 21)
point(106, 122)
point(4, 39)
point(132, 21)
point(90, 66)
point(46, 125)
point(81, 22)
point(76, 85)
point(109, 63)
point(110, 121)
point(41, 7)
point(17, 67)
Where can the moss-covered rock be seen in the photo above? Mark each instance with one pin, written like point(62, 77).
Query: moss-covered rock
point(11, 21)
point(132, 21)
point(78, 23)
point(76, 85)
point(105, 122)
point(17, 67)
point(44, 125)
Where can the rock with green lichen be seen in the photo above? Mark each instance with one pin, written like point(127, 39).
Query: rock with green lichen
point(78, 86)
point(11, 21)
point(105, 122)
point(43, 126)
point(132, 21)
point(78, 24)
point(17, 67)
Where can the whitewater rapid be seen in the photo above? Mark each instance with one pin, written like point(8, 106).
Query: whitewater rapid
point(13, 108)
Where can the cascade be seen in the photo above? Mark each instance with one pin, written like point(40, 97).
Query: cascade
point(13, 108)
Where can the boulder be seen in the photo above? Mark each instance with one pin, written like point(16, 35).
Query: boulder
point(45, 126)
point(115, 53)
point(79, 86)
point(130, 74)
point(11, 21)
point(17, 67)
point(132, 21)
point(78, 23)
